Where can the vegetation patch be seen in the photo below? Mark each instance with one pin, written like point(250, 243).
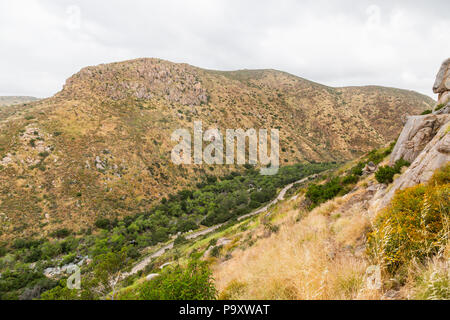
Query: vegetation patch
point(415, 225)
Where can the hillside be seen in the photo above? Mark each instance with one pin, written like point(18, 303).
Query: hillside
point(101, 147)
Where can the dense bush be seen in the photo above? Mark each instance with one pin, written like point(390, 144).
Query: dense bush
point(26, 243)
point(61, 233)
point(193, 282)
point(3, 250)
point(415, 225)
point(61, 292)
point(351, 179)
point(376, 156)
point(321, 193)
point(358, 169)
point(14, 283)
point(385, 174)
point(103, 223)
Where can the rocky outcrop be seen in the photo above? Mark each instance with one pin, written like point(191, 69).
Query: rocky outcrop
point(141, 79)
point(435, 155)
point(442, 87)
point(424, 141)
point(416, 134)
point(369, 168)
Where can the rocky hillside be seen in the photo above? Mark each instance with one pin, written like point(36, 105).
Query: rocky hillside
point(101, 147)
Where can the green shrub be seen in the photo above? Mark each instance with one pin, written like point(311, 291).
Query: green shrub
point(193, 282)
point(61, 233)
point(61, 292)
point(34, 254)
point(439, 107)
point(358, 169)
point(69, 258)
point(385, 174)
point(103, 223)
point(426, 112)
point(3, 251)
point(375, 156)
point(351, 179)
point(318, 194)
point(399, 164)
point(26, 243)
point(44, 154)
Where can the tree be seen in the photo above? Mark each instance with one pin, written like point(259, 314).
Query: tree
point(108, 271)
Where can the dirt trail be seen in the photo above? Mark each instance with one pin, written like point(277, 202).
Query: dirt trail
point(141, 265)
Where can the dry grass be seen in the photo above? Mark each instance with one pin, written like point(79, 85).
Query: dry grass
point(429, 281)
point(350, 229)
point(304, 260)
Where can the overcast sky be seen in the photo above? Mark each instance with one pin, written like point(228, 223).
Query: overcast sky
point(337, 43)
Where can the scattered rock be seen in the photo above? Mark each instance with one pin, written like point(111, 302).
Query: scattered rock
point(7, 159)
point(391, 295)
point(369, 168)
point(99, 164)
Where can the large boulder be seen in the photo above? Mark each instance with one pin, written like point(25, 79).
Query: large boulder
point(417, 133)
point(442, 82)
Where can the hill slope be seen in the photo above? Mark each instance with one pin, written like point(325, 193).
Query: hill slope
point(101, 146)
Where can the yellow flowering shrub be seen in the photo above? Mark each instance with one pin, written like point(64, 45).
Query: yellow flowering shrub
point(415, 225)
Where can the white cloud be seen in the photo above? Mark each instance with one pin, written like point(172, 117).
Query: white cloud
point(337, 43)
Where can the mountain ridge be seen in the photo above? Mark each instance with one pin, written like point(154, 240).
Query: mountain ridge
point(100, 147)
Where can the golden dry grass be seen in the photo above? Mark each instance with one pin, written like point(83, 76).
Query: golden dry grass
point(306, 259)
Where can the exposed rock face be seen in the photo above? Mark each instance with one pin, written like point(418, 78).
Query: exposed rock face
point(434, 156)
point(417, 133)
point(444, 98)
point(442, 87)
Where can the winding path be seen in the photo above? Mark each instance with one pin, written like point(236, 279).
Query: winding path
point(141, 265)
